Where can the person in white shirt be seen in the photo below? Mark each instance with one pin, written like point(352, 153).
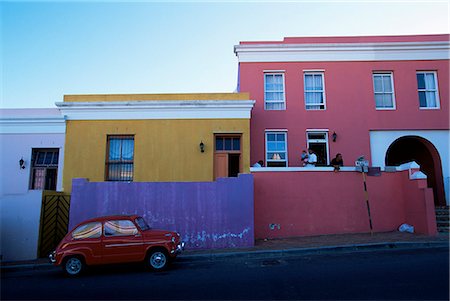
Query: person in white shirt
point(260, 163)
point(312, 158)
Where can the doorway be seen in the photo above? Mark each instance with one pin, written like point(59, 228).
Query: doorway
point(227, 156)
point(423, 152)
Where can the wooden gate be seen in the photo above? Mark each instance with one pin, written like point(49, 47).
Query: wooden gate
point(54, 220)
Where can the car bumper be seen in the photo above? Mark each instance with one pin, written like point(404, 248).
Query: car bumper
point(180, 247)
point(52, 257)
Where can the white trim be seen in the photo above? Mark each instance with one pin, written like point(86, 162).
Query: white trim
point(314, 70)
point(285, 142)
point(382, 51)
point(167, 109)
point(283, 101)
point(275, 130)
point(317, 130)
point(324, 98)
point(32, 125)
point(290, 169)
point(326, 133)
point(274, 71)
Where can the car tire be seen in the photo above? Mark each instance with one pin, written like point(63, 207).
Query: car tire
point(73, 266)
point(157, 260)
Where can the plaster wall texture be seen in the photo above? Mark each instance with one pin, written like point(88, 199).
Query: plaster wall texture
point(20, 218)
point(207, 214)
point(350, 105)
point(312, 203)
point(164, 150)
point(16, 146)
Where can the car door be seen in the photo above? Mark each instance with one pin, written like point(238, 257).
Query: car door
point(122, 242)
point(86, 240)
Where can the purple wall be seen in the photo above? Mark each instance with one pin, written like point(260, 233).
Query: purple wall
point(207, 214)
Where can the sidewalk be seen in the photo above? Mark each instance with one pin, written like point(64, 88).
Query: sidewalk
point(296, 246)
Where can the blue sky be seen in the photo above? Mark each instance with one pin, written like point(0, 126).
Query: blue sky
point(49, 49)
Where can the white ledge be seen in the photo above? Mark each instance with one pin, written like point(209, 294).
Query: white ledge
point(289, 169)
point(167, 109)
point(435, 50)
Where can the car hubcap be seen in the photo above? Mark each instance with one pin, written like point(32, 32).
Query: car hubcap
point(73, 266)
point(158, 260)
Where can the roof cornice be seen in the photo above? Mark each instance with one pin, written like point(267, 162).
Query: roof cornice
point(167, 109)
point(435, 50)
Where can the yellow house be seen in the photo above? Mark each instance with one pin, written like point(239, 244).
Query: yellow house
point(156, 137)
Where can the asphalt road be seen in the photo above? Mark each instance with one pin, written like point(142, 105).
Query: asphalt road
point(420, 274)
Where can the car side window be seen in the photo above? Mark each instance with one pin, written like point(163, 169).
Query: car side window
point(120, 228)
point(89, 230)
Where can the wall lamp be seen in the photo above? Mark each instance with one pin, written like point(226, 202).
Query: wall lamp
point(334, 136)
point(202, 147)
point(22, 163)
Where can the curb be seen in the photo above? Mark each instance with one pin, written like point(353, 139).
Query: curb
point(255, 254)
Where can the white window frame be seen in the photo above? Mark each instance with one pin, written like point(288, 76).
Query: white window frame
point(383, 74)
point(436, 90)
point(324, 103)
point(285, 142)
point(284, 91)
point(325, 132)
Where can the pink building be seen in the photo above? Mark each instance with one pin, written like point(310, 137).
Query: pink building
point(382, 97)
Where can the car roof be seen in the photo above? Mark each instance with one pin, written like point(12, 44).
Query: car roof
point(110, 217)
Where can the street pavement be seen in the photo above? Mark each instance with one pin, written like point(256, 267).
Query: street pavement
point(337, 243)
point(382, 274)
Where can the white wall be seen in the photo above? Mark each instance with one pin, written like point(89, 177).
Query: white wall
point(381, 140)
point(20, 219)
point(21, 130)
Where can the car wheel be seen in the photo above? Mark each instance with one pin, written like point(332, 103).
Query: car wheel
point(73, 266)
point(158, 260)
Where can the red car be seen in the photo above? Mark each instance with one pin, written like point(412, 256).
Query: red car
point(115, 239)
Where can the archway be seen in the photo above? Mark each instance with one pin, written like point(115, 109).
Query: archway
point(422, 151)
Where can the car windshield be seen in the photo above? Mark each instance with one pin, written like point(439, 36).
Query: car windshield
point(142, 224)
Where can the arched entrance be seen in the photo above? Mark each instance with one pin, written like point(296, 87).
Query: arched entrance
point(422, 151)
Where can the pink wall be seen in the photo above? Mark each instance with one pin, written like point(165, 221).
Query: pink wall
point(309, 203)
point(350, 105)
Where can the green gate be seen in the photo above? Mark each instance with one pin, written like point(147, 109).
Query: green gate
point(54, 220)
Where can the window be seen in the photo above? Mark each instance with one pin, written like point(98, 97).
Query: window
point(274, 98)
point(428, 91)
point(227, 155)
point(318, 142)
point(228, 143)
point(276, 149)
point(314, 91)
point(89, 230)
point(383, 86)
point(44, 169)
point(119, 166)
point(120, 228)
point(142, 224)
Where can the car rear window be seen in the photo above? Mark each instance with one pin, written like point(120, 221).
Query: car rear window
point(89, 230)
point(120, 227)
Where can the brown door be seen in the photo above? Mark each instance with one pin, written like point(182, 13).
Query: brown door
point(220, 165)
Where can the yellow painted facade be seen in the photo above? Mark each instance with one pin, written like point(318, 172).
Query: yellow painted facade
point(165, 150)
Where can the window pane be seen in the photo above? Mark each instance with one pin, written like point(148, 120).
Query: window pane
point(379, 100)
point(114, 149)
point(40, 158)
point(48, 158)
point(227, 143)
point(387, 101)
point(55, 158)
point(280, 137)
point(219, 143)
point(270, 137)
point(429, 81)
point(119, 228)
point(318, 82)
point(38, 179)
point(377, 83)
point(387, 85)
point(422, 99)
point(236, 144)
point(271, 146)
point(90, 230)
point(127, 149)
point(431, 99)
point(280, 146)
point(420, 80)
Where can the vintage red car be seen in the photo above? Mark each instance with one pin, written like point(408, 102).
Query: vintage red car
point(115, 239)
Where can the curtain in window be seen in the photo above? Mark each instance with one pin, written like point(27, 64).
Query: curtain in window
point(274, 92)
point(383, 91)
point(313, 91)
point(426, 85)
point(120, 165)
